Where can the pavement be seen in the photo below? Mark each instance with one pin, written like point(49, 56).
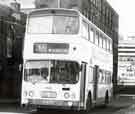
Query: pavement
point(123, 101)
point(126, 105)
point(130, 110)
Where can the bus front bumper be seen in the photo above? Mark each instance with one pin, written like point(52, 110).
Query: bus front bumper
point(52, 104)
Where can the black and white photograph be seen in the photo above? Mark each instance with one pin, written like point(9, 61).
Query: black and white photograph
point(67, 57)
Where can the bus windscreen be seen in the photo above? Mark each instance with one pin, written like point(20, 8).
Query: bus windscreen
point(65, 72)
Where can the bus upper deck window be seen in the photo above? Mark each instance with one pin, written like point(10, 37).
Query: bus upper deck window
point(97, 38)
point(53, 24)
point(85, 30)
point(91, 35)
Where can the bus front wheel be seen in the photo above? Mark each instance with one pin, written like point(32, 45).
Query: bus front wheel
point(106, 102)
point(89, 104)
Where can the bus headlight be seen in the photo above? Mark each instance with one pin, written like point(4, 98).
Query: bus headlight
point(66, 95)
point(70, 103)
point(31, 93)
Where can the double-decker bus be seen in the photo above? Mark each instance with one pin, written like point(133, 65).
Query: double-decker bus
point(67, 61)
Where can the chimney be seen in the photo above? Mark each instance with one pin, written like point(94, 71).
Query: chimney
point(15, 5)
point(46, 3)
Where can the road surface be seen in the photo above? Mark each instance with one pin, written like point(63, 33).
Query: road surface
point(120, 105)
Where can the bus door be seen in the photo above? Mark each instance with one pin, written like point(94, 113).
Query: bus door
point(83, 83)
point(95, 84)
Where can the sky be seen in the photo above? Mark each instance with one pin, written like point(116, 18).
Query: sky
point(124, 8)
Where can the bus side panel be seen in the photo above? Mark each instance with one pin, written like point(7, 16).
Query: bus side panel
point(95, 85)
point(83, 80)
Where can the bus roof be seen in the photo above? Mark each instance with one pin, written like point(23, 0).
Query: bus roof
point(54, 11)
point(71, 12)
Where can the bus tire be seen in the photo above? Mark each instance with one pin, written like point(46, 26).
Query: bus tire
point(88, 103)
point(24, 107)
point(106, 102)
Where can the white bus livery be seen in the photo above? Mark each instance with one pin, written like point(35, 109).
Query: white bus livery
point(68, 61)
